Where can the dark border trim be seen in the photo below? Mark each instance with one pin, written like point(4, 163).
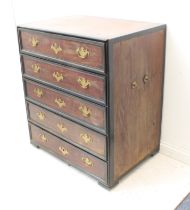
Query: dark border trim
point(111, 115)
point(162, 85)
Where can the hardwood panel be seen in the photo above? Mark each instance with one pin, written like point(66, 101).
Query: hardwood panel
point(69, 153)
point(137, 102)
point(70, 105)
point(80, 135)
point(60, 48)
point(81, 82)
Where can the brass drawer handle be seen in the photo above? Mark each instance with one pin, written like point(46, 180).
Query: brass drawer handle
point(56, 48)
point(39, 92)
point(36, 68)
point(61, 127)
point(85, 111)
point(43, 138)
point(34, 41)
point(82, 52)
point(84, 83)
point(146, 78)
point(87, 161)
point(134, 85)
point(60, 102)
point(63, 150)
point(41, 116)
point(86, 138)
point(58, 76)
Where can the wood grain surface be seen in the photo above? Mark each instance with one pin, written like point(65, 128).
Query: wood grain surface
point(69, 153)
point(68, 78)
point(137, 108)
point(72, 105)
point(68, 49)
point(73, 132)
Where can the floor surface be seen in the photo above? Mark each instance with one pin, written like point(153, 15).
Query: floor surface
point(185, 204)
point(33, 179)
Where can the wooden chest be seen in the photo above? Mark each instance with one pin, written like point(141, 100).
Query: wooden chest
point(93, 89)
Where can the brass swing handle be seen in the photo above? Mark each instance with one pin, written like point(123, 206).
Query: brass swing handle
point(56, 48)
point(60, 102)
point(39, 92)
point(85, 111)
point(35, 68)
point(40, 115)
point(82, 52)
point(34, 41)
point(63, 150)
point(146, 78)
point(61, 127)
point(43, 138)
point(84, 83)
point(58, 76)
point(87, 161)
point(86, 138)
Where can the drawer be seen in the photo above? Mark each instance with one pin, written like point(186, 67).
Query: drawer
point(74, 133)
point(70, 105)
point(80, 82)
point(68, 49)
point(69, 153)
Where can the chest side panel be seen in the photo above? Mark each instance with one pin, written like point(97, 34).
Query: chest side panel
point(137, 95)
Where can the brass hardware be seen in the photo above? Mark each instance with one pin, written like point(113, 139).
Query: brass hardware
point(43, 138)
point(36, 68)
point(60, 102)
point(146, 78)
point(86, 138)
point(63, 150)
point(85, 111)
point(41, 116)
point(61, 127)
point(134, 84)
point(56, 48)
point(87, 161)
point(34, 42)
point(39, 92)
point(84, 83)
point(58, 76)
point(82, 52)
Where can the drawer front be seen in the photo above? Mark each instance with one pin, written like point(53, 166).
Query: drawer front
point(86, 138)
point(69, 105)
point(60, 48)
point(65, 77)
point(69, 153)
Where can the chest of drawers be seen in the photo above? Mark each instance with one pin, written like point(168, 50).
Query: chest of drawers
point(93, 89)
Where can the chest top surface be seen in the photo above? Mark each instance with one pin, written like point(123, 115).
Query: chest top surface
point(91, 27)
